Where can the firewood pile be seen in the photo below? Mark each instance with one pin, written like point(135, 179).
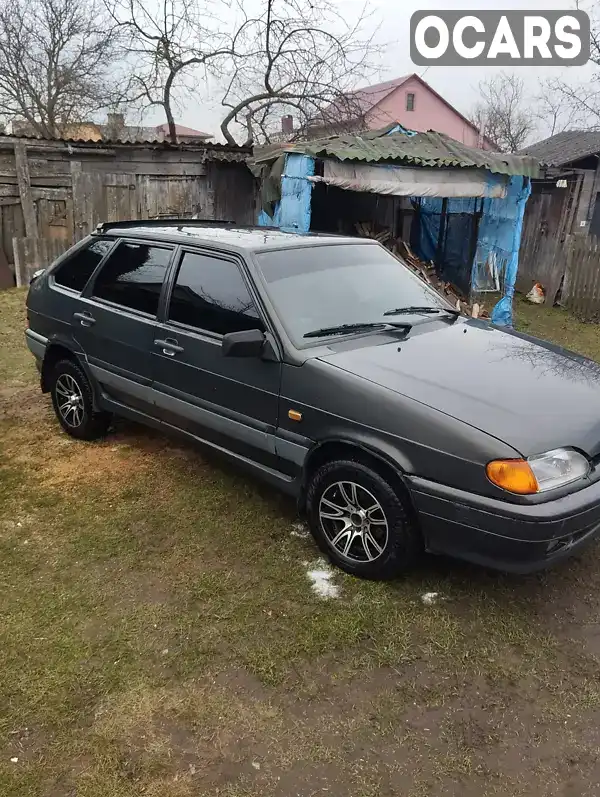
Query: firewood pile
point(366, 230)
point(426, 271)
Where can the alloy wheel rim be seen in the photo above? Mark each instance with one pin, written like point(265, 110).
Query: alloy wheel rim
point(69, 400)
point(353, 522)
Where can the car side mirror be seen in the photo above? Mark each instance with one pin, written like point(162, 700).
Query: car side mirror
point(248, 343)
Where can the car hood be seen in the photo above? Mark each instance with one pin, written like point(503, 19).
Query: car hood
point(527, 393)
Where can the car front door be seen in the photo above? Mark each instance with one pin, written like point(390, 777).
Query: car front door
point(116, 317)
point(230, 402)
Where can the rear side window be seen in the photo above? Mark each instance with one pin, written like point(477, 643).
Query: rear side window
point(77, 270)
point(210, 294)
point(133, 276)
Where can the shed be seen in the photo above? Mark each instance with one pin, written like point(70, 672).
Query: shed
point(55, 192)
point(459, 206)
point(562, 221)
point(565, 200)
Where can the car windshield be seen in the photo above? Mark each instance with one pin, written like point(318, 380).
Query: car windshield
point(319, 287)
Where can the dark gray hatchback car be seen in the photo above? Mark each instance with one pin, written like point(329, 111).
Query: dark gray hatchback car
point(324, 365)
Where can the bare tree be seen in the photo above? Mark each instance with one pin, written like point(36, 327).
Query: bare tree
point(554, 113)
point(57, 62)
point(580, 100)
point(503, 112)
point(296, 57)
point(167, 43)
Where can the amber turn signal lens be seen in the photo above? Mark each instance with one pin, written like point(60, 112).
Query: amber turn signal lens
point(513, 475)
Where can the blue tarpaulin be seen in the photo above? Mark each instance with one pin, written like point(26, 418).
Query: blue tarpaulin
point(292, 213)
point(495, 264)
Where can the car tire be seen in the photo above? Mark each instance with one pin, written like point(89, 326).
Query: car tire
point(378, 539)
point(73, 402)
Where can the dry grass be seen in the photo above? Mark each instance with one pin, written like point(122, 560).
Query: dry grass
point(159, 636)
point(558, 326)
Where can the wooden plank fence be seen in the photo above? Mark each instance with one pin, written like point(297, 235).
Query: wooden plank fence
point(569, 271)
point(581, 289)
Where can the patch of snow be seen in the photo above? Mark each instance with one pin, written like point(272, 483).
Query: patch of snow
point(321, 578)
point(429, 598)
point(300, 530)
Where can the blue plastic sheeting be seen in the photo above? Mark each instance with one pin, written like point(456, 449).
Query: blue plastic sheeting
point(519, 192)
point(264, 220)
point(496, 261)
point(292, 213)
point(401, 129)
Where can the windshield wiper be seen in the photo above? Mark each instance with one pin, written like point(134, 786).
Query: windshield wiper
point(343, 329)
point(422, 310)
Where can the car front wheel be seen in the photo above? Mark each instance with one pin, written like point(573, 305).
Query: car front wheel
point(73, 402)
point(360, 522)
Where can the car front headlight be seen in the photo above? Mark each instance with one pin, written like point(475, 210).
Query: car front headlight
point(559, 467)
point(539, 473)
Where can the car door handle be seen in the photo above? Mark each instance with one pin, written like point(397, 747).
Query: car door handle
point(85, 319)
point(169, 346)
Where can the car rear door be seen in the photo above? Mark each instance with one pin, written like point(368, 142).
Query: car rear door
point(229, 402)
point(116, 318)
point(53, 317)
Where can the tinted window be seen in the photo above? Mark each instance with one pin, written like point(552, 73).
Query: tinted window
point(133, 276)
point(79, 268)
point(323, 286)
point(211, 294)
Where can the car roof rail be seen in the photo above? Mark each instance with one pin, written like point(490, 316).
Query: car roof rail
point(104, 226)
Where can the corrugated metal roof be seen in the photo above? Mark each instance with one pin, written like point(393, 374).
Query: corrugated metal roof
point(422, 149)
point(567, 147)
point(221, 152)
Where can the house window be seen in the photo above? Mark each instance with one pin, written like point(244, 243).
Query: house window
point(410, 102)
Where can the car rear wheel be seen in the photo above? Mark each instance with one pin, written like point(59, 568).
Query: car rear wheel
point(73, 402)
point(360, 522)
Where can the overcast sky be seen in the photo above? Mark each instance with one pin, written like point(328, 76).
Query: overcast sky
point(458, 84)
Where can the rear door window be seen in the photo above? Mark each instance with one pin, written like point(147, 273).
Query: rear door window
point(133, 276)
point(77, 269)
point(211, 294)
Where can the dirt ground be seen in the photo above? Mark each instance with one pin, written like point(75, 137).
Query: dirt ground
point(161, 634)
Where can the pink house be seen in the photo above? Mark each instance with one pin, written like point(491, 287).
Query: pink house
point(412, 102)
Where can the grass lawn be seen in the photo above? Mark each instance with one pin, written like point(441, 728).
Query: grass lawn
point(560, 327)
point(160, 636)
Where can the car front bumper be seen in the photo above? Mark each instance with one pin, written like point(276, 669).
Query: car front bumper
point(518, 538)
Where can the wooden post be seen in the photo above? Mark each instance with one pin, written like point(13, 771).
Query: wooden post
point(77, 205)
point(441, 241)
point(22, 166)
point(19, 265)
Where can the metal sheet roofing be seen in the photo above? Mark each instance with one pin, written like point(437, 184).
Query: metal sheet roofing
point(422, 149)
point(208, 150)
point(567, 147)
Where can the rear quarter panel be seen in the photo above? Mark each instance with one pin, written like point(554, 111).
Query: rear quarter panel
point(49, 312)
